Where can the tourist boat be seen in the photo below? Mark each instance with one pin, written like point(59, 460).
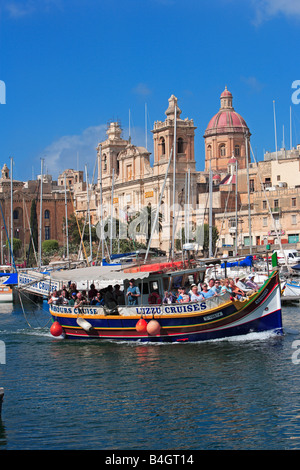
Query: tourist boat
point(213, 318)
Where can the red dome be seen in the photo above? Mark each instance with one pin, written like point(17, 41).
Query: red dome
point(227, 120)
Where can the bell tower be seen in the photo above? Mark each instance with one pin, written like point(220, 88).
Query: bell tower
point(163, 136)
point(110, 150)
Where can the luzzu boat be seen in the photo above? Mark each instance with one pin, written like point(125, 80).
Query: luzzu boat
point(217, 317)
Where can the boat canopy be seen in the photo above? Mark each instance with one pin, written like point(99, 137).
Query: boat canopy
point(244, 262)
point(96, 273)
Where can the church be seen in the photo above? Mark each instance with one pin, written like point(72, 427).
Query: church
point(253, 203)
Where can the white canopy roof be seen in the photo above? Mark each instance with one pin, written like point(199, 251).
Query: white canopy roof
point(96, 273)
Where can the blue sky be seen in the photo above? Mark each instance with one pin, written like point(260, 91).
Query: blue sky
point(70, 66)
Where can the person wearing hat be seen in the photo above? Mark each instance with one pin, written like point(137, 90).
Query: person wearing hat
point(239, 282)
point(250, 283)
point(133, 293)
point(72, 299)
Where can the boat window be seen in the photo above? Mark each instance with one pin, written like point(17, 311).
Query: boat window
point(144, 288)
point(153, 286)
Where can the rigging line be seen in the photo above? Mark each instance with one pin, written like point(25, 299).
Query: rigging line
point(223, 220)
point(263, 187)
point(23, 309)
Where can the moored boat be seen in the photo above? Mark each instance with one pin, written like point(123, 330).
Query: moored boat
point(216, 317)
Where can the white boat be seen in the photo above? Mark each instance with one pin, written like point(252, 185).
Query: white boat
point(6, 293)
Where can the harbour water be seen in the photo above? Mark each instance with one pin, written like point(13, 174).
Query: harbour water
point(236, 394)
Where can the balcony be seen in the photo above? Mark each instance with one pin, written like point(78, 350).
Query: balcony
point(276, 211)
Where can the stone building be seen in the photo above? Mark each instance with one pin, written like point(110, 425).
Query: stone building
point(53, 209)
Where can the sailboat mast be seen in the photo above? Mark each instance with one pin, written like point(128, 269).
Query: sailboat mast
point(248, 187)
point(174, 180)
point(11, 210)
point(41, 214)
point(89, 214)
point(66, 211)
point(210, 252)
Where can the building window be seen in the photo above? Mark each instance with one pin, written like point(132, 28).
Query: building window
point(276, 203)
point(47, 214)
point(251, 185)
point(294, 219)
point(209, 152)
point(278, 177)
point(268, 183)
point(293, 238)
point(222, 149)
point(16, 214)
point(264, 204)
point(47, 233)
point(237, 150)
point(180, 145)
point(162, 146)
point(265, 221)
point(104, 162)
point(294, 202)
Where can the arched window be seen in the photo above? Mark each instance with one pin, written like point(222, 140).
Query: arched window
point(104, 162)
point(180, 145)
point(47, 214)
point(209, 152)
point(237, 150)
point(162, 146)
point(16, 214)
point(222, 150)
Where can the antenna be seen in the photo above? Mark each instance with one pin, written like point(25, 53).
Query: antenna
point(129, 136)
point(146, 125)
point(275, 129)
point(291, 139)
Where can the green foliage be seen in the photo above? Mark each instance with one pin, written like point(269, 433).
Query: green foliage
point(50, 246)
point(17, 245)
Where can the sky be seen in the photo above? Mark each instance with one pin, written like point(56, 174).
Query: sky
point(69, 67)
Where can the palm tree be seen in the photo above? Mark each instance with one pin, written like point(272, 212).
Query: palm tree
point(142, 223)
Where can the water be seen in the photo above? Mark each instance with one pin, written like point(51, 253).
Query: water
point(242, 393)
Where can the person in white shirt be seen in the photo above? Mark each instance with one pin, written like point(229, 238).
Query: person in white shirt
point(195, 295)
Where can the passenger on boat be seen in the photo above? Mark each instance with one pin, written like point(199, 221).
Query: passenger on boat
point(64, 297)
point(80, 300)
point(54, 299)
point(195, 296)
point(205, 292)
point(73, 288)
point(133, 292)
point(72, 299)
point(109, 300)
point(169, 298)
point(154, 297)
point(239, 293)
point(98, 299)
point(182, 296)
point(225, 287)
point(92, 292)
point(250, 282)
point(216, 289)
point(239, 282)
point(119, 295)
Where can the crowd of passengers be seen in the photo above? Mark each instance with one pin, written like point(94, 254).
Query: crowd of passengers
point(238, 288)
point(111, 297)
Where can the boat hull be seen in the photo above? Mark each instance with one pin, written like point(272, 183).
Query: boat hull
point(179, 322)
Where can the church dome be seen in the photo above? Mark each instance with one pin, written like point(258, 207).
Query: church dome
point(227, 120)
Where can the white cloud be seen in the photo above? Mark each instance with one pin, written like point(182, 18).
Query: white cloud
point(72, 150)
point(266, 9)
point(19, 8)
point(142, 89)
point(253, 83)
